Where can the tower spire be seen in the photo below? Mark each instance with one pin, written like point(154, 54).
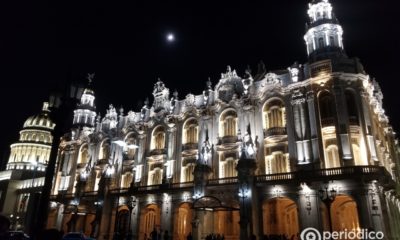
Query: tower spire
point(85, 113)
point(323, 32)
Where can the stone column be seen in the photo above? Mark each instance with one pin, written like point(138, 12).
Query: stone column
point(369, 208)
point(166, 213)
point(135, 219)
point(312, 116)
point(308, 204)
point(301, 128)
point(367, 127)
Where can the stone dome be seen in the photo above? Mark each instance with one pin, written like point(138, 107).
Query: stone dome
point(41, 120)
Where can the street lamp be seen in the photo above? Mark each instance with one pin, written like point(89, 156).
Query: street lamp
point(14, 220)
point(328, 197)
point(131, 205)
point(244, 193)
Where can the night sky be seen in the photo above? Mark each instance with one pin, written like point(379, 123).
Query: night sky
point(44, 46)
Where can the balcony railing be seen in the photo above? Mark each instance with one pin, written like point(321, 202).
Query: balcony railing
point(219, 181)
point(227, 139)
point(274, 131)
point(189, 146)
point(328, 122)
point(367, 173)
point(158, 151)
point(353, 120)
point(330, 173)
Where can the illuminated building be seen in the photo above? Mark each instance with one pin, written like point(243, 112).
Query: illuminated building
point(265, 154)
point(21, 182)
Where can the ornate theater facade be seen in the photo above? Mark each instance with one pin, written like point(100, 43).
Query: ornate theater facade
point(269, 154)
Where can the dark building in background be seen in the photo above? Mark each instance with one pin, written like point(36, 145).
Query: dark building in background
point(22, 181)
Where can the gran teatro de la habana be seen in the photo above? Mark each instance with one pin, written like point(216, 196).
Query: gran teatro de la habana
point(266, 154)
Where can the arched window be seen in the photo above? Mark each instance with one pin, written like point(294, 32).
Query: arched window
point(130, 142)
point(326, 109)
point(332, 159)
point(83, 155)
point(158, 138)
point(274, 114)
point(277, 162)
point(126, 180)
point(155, 174)
point(190, 131)
point(187, 172)
point(104, 150)
point(321, 43)
point(228, 123)
point(352, 109)
point(331, 41)
point(229, 167)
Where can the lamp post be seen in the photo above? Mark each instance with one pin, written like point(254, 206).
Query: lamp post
point(131, 205)
point(14, 220)
point(244, 193)
point(328, 197)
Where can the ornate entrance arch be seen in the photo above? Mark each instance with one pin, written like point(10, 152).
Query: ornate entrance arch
point(280, 217)
point(218, 217)
point(344, 214)
point(150, 218)
point(183, 221)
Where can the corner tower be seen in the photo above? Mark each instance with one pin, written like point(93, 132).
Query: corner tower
point(324, 35)
point(85, 113)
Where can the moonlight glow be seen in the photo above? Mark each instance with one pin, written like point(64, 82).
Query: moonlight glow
point(170, 37)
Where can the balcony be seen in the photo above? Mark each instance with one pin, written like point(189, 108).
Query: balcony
point(357, 173)
point(227, 139)
point(274, 131)
point(328, 122)
point(158, 151)
point(353, 121)
point(189, 146)
point(363, 172)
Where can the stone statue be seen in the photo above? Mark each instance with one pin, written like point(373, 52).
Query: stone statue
point(205, 153)
point(248, 147)
point(90, 77)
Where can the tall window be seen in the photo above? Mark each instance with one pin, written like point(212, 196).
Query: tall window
point(131, 150)
point(274, 114)
point(190, 131)
point(229, 167)
point(126, 180)
point(321, 42)
point(155, 176)
point(104, 150)
point(187, 172)
point(332, 159)
point(228, 123)
point(352, 109)
point(331, 41)
point(327, 109)
point(158, 138)
point(277, 162)
point(83, 155)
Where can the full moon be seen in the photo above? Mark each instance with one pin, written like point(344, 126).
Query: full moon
point(170, 37)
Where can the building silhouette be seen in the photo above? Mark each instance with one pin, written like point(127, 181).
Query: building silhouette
point(269, 154)
point(23, 178)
